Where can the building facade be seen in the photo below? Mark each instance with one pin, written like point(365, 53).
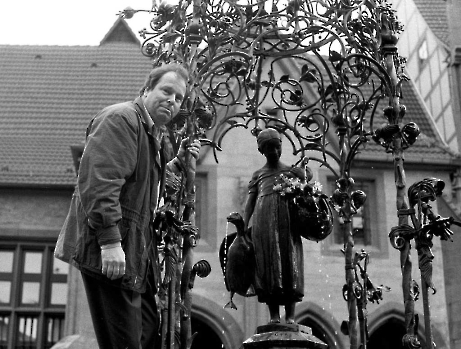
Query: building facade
point(49, 94)
point(431, 43)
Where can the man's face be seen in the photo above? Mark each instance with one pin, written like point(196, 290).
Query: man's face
point(165, 99)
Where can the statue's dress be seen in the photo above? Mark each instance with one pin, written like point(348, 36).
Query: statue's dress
point(279, 276)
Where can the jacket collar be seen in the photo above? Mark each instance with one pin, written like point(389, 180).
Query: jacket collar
point(149, 125)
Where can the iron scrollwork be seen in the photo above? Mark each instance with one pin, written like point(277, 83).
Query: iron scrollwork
point(303, 68)
point(426, 225)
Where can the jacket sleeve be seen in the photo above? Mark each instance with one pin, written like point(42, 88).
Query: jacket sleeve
point(109, 158)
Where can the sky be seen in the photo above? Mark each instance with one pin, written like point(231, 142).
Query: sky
point(64, 22)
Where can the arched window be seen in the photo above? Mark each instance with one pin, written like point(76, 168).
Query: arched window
point(215, 327)
point(389, 335)
point(323, 324)
point(206, 337)
point(318, 331)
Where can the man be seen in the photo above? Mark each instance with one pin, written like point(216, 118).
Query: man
point(120, 179)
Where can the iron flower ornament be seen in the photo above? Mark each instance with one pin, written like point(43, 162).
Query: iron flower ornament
point(344, 75)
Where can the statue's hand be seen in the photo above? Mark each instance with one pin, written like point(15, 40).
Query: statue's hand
point(245, 228)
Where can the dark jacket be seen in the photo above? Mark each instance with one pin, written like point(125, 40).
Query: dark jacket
point(116, 196)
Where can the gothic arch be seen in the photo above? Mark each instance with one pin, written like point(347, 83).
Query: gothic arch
point(393, 312)
point(215, 317)
point(383, 313)
point(321, 321)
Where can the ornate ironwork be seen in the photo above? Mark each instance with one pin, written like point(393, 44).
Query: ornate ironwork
point(303, 68)
point(426, 225)
point(363, 291)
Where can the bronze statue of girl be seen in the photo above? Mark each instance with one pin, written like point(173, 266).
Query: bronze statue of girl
point(279, 275)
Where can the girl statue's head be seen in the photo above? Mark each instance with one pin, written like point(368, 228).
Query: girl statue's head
point(270, 144)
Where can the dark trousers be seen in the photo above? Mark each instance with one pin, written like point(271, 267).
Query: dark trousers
point(122, 318)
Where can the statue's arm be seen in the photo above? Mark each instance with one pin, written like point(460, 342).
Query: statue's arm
point(249, 208)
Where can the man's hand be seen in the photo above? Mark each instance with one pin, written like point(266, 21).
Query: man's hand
point(113, 261)
point(193, 149)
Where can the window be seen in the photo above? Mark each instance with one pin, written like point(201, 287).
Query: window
point(361, 221)
point(200, 200)
point(274, 113)
point(423, 54)
point(205, 207)
point(33, 295)
point(369, 228)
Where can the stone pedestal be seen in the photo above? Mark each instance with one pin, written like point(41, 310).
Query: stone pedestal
point(280, 336)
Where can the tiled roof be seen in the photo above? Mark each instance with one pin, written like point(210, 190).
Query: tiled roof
point(120, 32)
point(47, 96)
point(428, 148)
point(435, 14)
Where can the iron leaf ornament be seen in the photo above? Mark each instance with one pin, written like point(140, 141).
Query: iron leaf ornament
point(308, 69)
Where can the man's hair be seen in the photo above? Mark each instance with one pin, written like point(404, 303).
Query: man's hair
point(156, 74)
